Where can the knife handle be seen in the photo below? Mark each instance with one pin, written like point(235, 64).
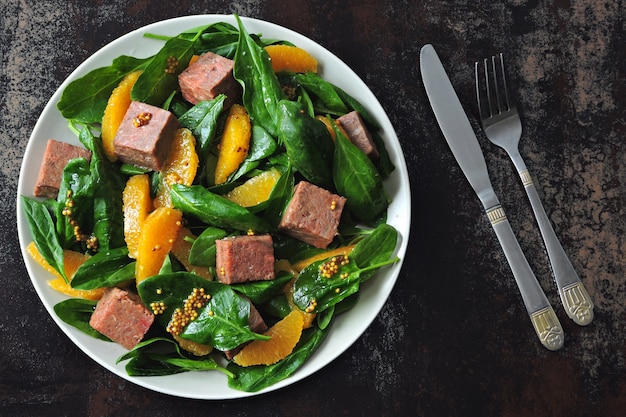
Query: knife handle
point(576, 300)
point(542, 315)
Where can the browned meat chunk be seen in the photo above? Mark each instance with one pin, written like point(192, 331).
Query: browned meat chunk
point(357, 132)
point(56, 156)
point(121, 316)
point(145, 136)
point(208, 77)
point(257, 325)
point(312, 215)
point(244, 258)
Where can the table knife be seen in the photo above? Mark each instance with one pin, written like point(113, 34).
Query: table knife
point(462, 140)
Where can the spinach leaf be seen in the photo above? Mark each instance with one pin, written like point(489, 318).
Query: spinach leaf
point(316, 287)
point(42, 228)
point(85, 99)
point(201, 119)
point(261, 89)
point(203, 250)
point(279, 197)
point(255, 378)
point(308, 143)
point(262, 146)
point(324, 91)
point(104, 269)
point(377, 246)
point(160, 76)
point(357, 179)
point(223, 322)
point(214, 209)
point(77, 312)
point(354, 104)
point(162, 356)
point(107, 184)
point(260, 292)
point(75, 198)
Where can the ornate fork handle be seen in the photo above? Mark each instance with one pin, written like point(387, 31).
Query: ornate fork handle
point(576, 300)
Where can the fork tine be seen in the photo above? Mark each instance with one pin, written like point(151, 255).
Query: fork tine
point(505, 87)
point(495, 82)
point(493, 97)
point(483, 99)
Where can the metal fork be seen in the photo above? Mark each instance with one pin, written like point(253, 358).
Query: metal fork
point(502, 126)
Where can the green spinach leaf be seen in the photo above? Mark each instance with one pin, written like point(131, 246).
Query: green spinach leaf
point(261, 89)
point(85, 99)
point(105, 269)
point(214, 209)
point(255, 378)
point(358, 180)
point(308, 143)
point(222, 322)
point(44, 234)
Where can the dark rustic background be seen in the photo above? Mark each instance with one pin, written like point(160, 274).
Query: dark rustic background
point(454, 338)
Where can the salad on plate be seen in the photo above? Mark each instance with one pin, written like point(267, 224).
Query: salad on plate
point(225, 205)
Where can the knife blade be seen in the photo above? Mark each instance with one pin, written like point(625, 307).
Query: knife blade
point(464, 145)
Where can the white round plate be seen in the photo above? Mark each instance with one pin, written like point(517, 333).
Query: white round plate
point(347, 328)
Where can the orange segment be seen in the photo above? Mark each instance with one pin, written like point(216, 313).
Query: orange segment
point(256, 190)
point(291, 58)
point(180, 166)
point(72, 261)
point(116, 108)
point(197, 349)
point(235, 142)
point(158, 233)
point(136, 206)
point(181, 249)
point(285, 334)
point(307, 318)
point(342, 250)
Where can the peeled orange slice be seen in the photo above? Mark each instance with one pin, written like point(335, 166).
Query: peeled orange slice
point(256, 190)
point(285, 334)
point(116, 108)
point(291, 58)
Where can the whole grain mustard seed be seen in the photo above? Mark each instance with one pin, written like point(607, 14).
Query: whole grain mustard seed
point(170, 65)
point(142, 119)
point(182, 316)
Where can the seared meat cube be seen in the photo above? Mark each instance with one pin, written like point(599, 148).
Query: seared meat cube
point(257, 325)
point(56, 156)
point(312, 215)
point(145, 136)
point(357, 132)
point(244, 258)
point(208, 77)
point(121, 316)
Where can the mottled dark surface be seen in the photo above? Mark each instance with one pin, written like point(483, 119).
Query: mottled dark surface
point(454, 338)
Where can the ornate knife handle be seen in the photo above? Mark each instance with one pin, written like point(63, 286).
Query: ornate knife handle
point(542, 315)
point(576, 300)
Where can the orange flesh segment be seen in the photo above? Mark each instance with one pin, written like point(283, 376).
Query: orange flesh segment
point(116, 108)
point(136, 206)
point(235, 143)
point(255, 190)
point(72, 261)
point(181, 249)
point(158, 233)
point(180, 166)
point(291, 58)
point(285, 334)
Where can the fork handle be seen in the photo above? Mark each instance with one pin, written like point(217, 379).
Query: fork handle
point(542, 315)
point(574, 296)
